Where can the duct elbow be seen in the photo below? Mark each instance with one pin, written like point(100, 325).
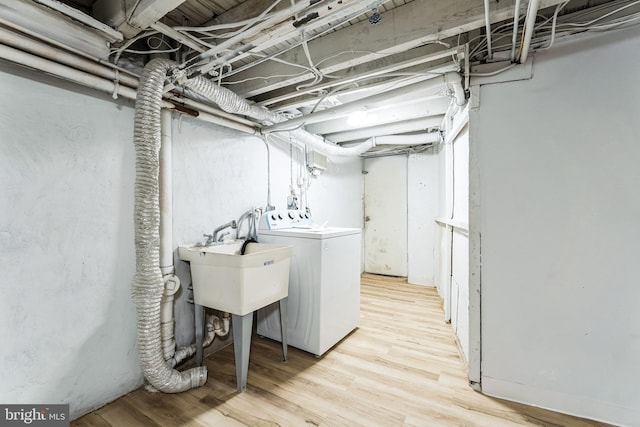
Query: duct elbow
point(454, 83)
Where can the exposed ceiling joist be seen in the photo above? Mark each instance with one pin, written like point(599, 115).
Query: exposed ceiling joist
point(246, 10)
point(401, 62)
point(401, 29)
point(53, 25)
point(133, 16)
point(267, 34)
point(423, 90)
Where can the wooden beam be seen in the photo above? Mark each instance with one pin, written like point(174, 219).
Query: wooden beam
point(246, 10)
point(132, 17)
point(395, 63)
point(405, 27)
point(55, 26)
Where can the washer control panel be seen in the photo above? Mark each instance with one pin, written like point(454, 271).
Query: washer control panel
point(279, 219)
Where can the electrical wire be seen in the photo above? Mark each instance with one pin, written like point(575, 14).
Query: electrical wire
point(547, 33)
point(294, 45)
point(314, 69)
point(255, 20)
point(553, 25)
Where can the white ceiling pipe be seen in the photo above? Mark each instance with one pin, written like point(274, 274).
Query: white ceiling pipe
point(529, 25)
point(514, 38)
point(58, 55)
point(107, 85)
point(67, 73)
point(95, 66)
point(317, 144)
point(166, 194)
point(414, 125)
point(417, 139)
point(487, 25)
point(332, 113)
point(67, 48)
point(454, 83)
point(216, 120)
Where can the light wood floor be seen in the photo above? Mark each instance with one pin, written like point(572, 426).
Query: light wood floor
point(399, 368)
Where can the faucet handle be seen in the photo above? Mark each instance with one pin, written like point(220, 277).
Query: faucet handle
point(209, 239)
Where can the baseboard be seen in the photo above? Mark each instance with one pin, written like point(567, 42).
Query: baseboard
point(560, 402)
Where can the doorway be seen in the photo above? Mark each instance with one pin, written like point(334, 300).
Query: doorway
point(385, 210)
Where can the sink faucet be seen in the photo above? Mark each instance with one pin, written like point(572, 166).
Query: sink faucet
point(213, 238)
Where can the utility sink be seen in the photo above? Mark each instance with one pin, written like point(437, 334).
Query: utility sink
point(239, 284)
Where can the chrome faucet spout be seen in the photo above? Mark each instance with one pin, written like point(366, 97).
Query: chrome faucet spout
point(216, 233)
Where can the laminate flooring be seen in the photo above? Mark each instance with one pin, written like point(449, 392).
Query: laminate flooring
point(401, 367)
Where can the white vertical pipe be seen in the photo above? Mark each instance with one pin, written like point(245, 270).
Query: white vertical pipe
point(487, 24)
point(514, 38)
point(166, 195)
point(529, 25)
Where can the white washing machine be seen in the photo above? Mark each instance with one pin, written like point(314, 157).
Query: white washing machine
point(324, 281)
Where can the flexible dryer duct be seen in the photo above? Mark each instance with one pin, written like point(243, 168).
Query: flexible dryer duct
point(148, 285)
point(232, 103)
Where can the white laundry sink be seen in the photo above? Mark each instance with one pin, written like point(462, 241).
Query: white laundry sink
point(239, 284)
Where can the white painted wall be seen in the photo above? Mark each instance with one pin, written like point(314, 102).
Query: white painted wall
point(422, 171)
point(452, 244)
point(66, 232)
point(558, 213)
point(66, 247)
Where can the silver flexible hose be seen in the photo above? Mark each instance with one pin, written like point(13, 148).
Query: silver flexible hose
point(232, 103)
point(148, 285)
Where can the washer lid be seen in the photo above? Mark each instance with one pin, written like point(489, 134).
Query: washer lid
point(311, 232)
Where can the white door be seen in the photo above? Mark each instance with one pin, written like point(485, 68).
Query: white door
point(385, 207)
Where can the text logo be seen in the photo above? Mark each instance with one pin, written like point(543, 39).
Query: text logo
point(34, 415)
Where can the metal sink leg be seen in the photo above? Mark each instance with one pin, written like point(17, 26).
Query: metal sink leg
point(242, 326)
